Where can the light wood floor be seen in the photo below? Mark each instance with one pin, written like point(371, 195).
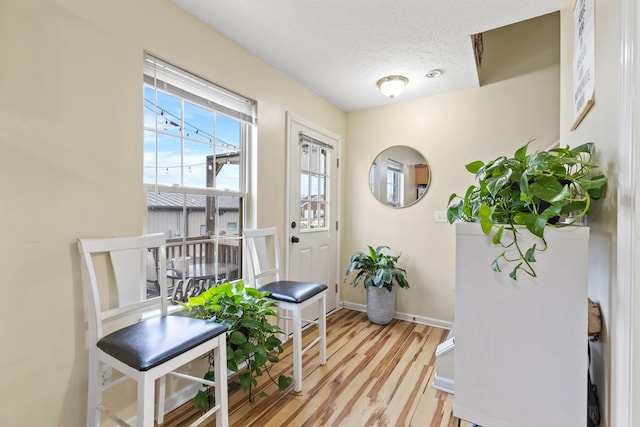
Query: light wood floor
point(375, 376)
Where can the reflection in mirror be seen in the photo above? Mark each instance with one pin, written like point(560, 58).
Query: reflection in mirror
point(399, 176)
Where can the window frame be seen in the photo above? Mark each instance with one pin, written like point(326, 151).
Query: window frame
point(219, 101)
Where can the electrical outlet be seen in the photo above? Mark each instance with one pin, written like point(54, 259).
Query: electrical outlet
point(107, 373)
point(441, 216)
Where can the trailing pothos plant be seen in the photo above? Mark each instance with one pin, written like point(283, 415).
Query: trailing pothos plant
point(532, 190)
point(253, 345)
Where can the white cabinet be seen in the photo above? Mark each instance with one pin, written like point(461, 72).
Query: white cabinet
point(521, 346)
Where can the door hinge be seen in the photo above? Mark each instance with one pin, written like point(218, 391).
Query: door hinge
point(337, 162)
point(336, 225)
point(336, 288)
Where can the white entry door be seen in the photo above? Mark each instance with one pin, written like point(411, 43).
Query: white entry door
point(312, 179)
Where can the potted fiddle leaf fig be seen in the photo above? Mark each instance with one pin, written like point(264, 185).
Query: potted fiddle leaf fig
point(532, 191)
point(379, 274)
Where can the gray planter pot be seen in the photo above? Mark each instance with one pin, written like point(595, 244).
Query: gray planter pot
point(381, 304)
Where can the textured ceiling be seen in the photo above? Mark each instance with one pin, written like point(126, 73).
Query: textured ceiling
point(340, 48)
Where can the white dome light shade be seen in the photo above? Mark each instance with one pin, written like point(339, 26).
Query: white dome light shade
point(392, 86)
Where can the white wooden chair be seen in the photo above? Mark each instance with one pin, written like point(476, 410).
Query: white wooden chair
point(293, 296)
point(153, 343)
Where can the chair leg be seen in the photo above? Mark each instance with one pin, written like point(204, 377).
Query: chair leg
point(94, 395)
point(162, 391)
point(297, 349)
point(322, 329)
point(146, 391)
point(282, 323)
point(220, 367)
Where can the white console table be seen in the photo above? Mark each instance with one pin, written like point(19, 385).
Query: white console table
point(521, 346)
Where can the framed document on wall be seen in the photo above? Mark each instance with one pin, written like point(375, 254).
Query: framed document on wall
point(583, 59)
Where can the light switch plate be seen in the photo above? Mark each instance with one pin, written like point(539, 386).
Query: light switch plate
point(441, 216)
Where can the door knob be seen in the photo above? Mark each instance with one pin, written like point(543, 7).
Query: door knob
point(295, 239)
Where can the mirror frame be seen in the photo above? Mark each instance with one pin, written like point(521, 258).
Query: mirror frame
point(416, 175)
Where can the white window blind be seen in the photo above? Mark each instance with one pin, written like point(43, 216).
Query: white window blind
point(172, 80)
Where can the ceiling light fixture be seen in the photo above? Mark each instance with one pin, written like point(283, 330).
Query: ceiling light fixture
point(392, 86)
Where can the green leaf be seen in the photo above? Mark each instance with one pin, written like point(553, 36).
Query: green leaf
point(373, 253)
point(549, 189)
point(514, 272)
point(239, 286)
point(594, 182)
point(474, 167)
point(524, 185)
point(454, 212)
point(260, 356)
point(273, 342)
point(497, 183)
point(551, 211)
point(201, 400)
point(584, 148)
point(597, 193)
point(210, 376)
point(495, 164)
point(495, 266)
point(273, 359)
point(520, 218)
point(249, 323)
point(284, 382)
point(485, 219)
point(497, 238)
point(535, 224)
point(530, 255)
point(521, 153)
point(572, 207)
point(245, 381)
point(237, 338)
point(238, 356)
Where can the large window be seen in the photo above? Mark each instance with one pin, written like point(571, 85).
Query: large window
point(195, 138)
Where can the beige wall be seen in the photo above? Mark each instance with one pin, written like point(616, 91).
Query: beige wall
point(71, 166)
point(450, 131)
point(600, 126)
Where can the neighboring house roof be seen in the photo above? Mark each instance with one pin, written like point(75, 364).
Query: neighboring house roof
point(194, 201)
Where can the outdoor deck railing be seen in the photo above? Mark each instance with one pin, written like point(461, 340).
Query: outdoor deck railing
point(204, 251)
point(182, 286)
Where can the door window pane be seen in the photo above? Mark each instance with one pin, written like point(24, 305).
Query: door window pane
point(313, 185)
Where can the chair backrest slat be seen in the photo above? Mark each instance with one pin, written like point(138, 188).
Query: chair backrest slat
point(263, 251)
point(130, 276)
point(127, 260)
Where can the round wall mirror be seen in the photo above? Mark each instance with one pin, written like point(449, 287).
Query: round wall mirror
point(399, 176)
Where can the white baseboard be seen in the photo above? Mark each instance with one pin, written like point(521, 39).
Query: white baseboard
point(443, 384)
point(445, 347)
point(174, 401)
point(405, 316)
point(181, 397)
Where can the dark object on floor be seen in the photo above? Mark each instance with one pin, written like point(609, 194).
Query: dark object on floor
point(593, 402)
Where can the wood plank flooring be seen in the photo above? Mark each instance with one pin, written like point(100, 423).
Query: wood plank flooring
point(375, 376)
